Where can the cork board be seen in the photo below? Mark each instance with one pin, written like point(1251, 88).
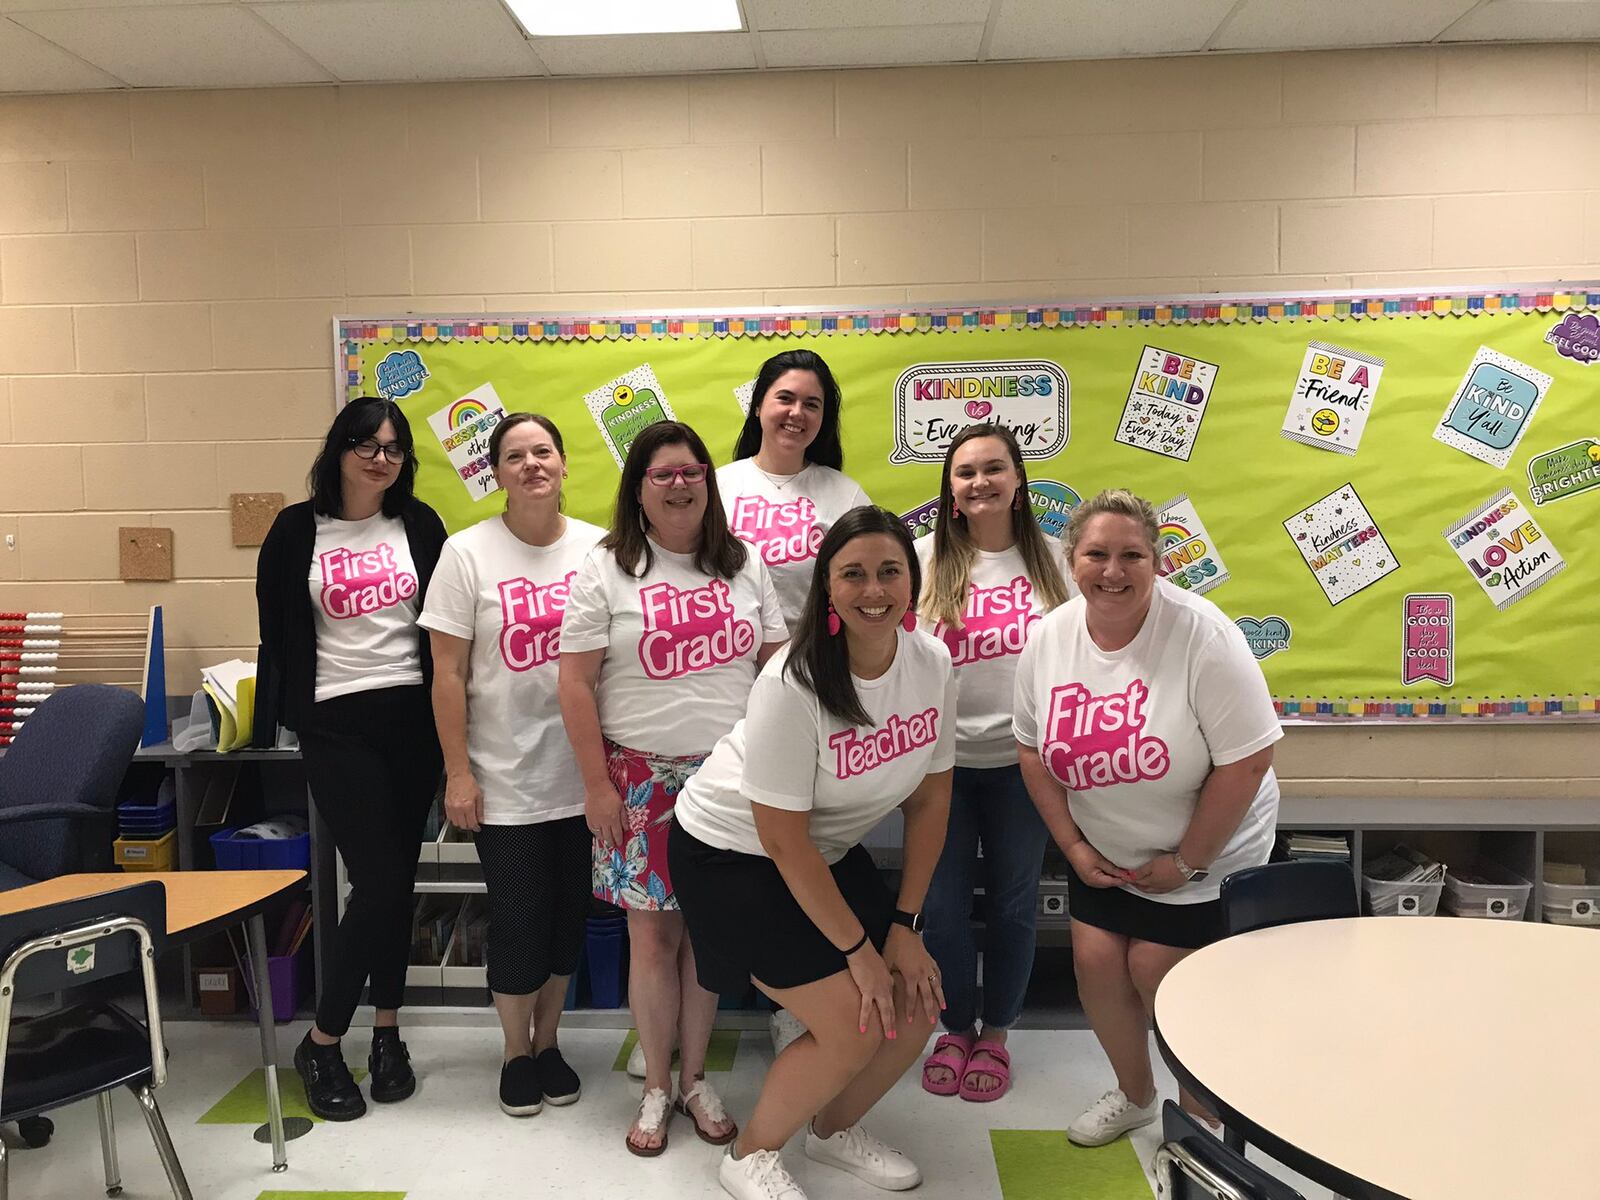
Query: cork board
point(253, 514)
point(144, 553)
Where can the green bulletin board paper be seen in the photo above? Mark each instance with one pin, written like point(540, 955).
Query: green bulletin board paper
point(1243, 477)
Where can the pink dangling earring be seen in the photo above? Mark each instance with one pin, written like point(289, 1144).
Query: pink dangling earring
point(909, 621)
point(833, 621)
point(1016, 500)
point(954, 511)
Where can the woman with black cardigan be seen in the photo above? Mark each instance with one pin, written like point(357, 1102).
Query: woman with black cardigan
point(339, 586)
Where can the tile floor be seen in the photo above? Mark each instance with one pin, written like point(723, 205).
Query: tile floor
point(451, 1142)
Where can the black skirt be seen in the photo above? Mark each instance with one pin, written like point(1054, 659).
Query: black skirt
point(1185, 926)
point(745, 923)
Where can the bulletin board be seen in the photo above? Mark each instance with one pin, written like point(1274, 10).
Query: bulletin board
point(1394, 496)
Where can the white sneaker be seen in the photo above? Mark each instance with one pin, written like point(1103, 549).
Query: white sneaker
point(1109, 1117)
point(759, 1175)
point(864, 1156)
point(785, 1028)
point(636, 1061)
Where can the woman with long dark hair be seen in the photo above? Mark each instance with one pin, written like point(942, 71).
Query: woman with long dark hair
point(667, 622)
point(494, 614)
point(340, 582)
point(853, 719)
point(785, 486)
point(991, 574)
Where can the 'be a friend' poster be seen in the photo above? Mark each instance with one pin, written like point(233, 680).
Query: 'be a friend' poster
point(1332, 398)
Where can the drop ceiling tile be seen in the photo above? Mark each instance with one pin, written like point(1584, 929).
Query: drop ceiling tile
point(207, 45)
point(1528, 21)
point(768, 15)
point(1094, 29)
point(28, 63)
point(1316, 24)
point(12, 6)
point(646, 53)
point(430, 39)
point(895, 46)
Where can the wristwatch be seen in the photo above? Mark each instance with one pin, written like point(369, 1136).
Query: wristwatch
point(912, 921)
point(1191, 874)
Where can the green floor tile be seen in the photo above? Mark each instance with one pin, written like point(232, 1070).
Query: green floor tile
point(332, 1196)
point(719, 1054)
point(1040, 1164)
point(246, 1104)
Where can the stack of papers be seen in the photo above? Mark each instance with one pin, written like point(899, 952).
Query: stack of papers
point(1404, 865)
point(1330, 847)
point(231, 688)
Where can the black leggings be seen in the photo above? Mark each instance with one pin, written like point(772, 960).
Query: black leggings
point(538, 878)
point(373, 762)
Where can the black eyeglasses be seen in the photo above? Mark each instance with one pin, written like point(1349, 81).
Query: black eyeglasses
point(369, 449)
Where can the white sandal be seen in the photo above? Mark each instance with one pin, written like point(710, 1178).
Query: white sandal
point(655, 1113)
point(711, 1105)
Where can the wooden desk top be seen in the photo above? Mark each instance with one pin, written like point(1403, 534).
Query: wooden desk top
point(198, 902)
point(1426, 1057)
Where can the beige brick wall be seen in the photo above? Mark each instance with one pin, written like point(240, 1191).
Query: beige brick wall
point(169, 261)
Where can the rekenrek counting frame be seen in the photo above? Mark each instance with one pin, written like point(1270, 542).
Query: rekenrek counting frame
point(1392, 495)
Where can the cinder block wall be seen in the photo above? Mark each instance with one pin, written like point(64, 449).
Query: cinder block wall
point(169, 261)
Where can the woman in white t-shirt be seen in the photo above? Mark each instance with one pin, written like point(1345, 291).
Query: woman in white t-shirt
point(854, 719)
point(494, 614)
point(667, 622)
point(1146, 731)
point(991, 574)
point(784, 487)
point(340, 581)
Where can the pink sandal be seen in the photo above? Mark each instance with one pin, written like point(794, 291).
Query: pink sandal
point(955, 1048)
point(999, 1066)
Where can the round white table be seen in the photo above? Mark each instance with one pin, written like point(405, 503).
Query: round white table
point(1423, 1058)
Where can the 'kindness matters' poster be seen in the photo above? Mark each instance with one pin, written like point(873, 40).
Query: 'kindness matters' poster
point(1341, 544)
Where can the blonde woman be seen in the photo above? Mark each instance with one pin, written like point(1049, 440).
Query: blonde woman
point(991, 575)
point(1145, 731)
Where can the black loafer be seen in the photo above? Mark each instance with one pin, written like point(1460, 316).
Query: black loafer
point(559, 1081)
point(520, 1093)
point(330, 1091)
point(390, 1063)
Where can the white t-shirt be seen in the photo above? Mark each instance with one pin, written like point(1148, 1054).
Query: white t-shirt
point(790, 753)
point(1133, 733)
point(680, 646)
point(364, 603)
point(1002, 607)
point(506, 597)
point(785, 517)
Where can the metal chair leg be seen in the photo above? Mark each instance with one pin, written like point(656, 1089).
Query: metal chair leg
point(158, 1133)
point(108, 1144)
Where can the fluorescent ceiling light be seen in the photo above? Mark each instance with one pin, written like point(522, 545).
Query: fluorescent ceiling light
point(573, 18)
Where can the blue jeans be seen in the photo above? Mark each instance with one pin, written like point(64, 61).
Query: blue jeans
point(988, 806)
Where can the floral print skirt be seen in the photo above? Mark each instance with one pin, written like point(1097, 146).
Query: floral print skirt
point(635, 874)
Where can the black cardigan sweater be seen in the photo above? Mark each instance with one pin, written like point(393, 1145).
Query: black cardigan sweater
point(286, 663)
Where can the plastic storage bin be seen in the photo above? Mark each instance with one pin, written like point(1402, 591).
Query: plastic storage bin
point(1573, 903)
point(606, 951)
point(1381, 898)
point(260, 854)
point(147, 854)
point(1502, 895)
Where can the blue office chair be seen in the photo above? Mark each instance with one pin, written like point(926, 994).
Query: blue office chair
point(1191, 1164)
point(85, 1048)
point(1287, 892)
point(59, 781)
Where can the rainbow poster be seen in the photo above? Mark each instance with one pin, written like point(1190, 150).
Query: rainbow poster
point(463, 428)
point(1188, 557)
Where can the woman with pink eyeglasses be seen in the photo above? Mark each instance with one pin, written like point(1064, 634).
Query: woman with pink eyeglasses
point(667, 623)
